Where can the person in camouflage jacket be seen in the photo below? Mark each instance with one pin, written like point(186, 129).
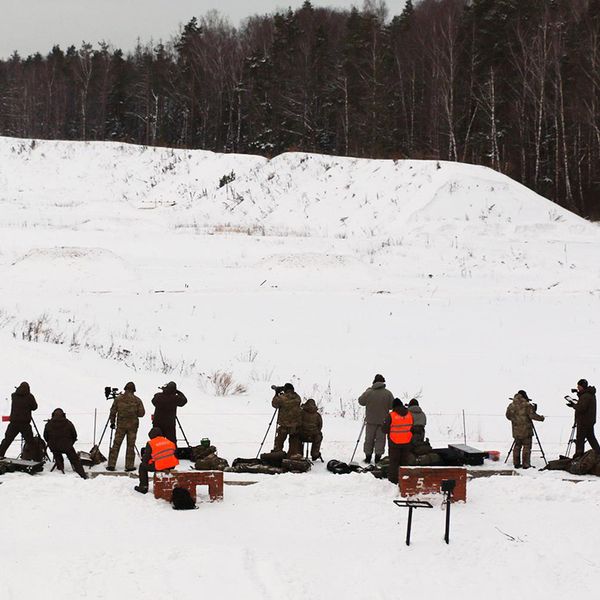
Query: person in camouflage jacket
point(125, 414)
point(312, 425)
point(521, 413)
point(289, 420)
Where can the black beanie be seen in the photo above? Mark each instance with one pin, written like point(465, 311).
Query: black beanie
point(583, 383)
point(379, 379)
point(288, 387)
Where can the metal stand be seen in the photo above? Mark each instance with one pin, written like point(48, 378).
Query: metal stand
point(182, 431)
point(358, 440)
point(572, 439)
point(537, 438)
point(448, 486)
point(411, 505)
point(267, 433)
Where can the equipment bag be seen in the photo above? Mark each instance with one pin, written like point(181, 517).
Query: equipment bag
point(296, 466)
point(273, 459)
point(182, 500)
point(584, 464)
point(96, 456)
point(338, 467)
point(245, 461)
point(560, 464)
point(35, 450)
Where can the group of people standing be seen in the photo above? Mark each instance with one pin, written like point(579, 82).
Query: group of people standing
point(299, 423)
point(127, 409)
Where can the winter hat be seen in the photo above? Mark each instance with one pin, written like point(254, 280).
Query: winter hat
point(155, 432)
point(583, 383)
point(23, 389)
point(129, 387)
point(379, 379)
point(169, 387)
point(58, 412)
point(288, 387)
point(524, 394)
point(397, 402)
point(414, 402)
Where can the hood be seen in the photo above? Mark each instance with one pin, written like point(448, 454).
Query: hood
point(378, 385)
point(155, 432)
point(310, 406)
point(23, 389)
point(170, 388)
point(59, 414)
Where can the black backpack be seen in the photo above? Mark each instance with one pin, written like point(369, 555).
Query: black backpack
point(35, 450)
point(182, 500)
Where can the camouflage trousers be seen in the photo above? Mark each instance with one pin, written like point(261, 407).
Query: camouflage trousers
point(295, 446)
point(128, 430)
point(522, 444)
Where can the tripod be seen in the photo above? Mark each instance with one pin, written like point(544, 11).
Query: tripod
point(572, 439)
point(182, 431)
point(267, 433)
point(358, 440)
point(537, 438)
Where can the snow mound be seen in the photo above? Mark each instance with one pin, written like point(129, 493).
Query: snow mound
point(71, 268)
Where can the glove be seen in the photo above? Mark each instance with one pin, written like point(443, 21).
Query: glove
point(112, 425)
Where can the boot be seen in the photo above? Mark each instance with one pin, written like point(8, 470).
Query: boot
point(140, 489)
point(129, 469)
point(110, 468)
point(368, 458)
point(377, 458)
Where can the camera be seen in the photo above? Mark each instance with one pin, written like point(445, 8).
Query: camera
point(110, 392)
point(278, 389)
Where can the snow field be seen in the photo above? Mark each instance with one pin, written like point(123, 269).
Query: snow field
point(123, 263)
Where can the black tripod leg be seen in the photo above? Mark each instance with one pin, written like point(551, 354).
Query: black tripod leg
point(267, 433)
point(409, 525)
point(448, 504)
point(537, 437)
point(182, 432)
point(38, 434)
point(509, 452)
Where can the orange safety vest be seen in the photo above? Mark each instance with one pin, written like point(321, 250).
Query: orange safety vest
point(400, 428)
point(163, 453)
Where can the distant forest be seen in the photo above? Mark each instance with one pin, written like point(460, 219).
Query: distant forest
point(512, 84)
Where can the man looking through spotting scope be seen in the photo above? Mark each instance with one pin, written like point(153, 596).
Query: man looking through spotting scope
point(289, 419)
point(521, 413)
point(165, 412)
point(585, 417)
point(22, 405)
point(378, 402)
point(125, 414)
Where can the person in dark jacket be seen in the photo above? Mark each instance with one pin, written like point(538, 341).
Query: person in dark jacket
point(378, 402)
point(585, 418)
point(165, 412)
point(60, 435)
point(289, 420)
point(398, 427)
point(22, 405)
point(312, 426)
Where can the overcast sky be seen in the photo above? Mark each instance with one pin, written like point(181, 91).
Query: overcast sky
point(36, 25)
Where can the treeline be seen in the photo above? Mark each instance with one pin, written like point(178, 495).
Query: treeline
point(513, 84)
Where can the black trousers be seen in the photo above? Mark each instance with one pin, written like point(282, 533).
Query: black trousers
point(73, 459)
point(12, 431)
point(143, 473)
point(398, 454)
point(584, 432)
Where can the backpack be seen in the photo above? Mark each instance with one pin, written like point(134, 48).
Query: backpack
point(182, 500)
point(560, 464)
point(584, 464)
point(296, 466)
point(35, 450)
point(96, 456)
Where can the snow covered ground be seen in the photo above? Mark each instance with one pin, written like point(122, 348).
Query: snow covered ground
point(459, 285)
